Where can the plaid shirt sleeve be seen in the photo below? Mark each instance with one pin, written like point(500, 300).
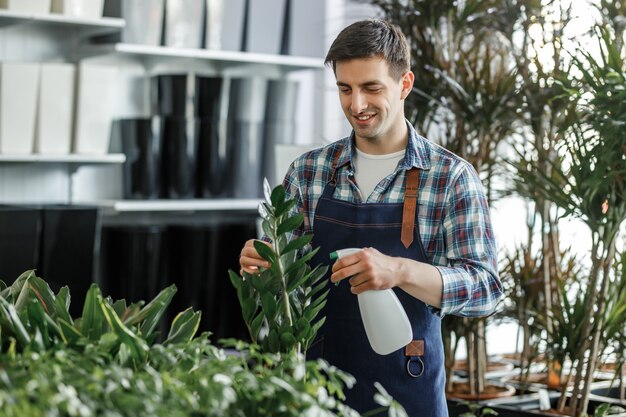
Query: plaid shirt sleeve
point(471, 286)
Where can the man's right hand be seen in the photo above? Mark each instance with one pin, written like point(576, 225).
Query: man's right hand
point(250, 260)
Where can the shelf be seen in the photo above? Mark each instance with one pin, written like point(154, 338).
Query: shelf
point(87, 27)
point(150, 55)
point(77, 159)
point(226, 204)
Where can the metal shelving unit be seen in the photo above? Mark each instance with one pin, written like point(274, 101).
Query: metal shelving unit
point(151, 55)
point(86, 27)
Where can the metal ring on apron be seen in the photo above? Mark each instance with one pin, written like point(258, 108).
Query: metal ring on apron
point(408, 367)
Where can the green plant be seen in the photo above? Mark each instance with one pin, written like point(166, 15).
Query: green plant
point(106, 363)
point(476, 410)
point(589, 182)
point(288, 295)
point(33, 318)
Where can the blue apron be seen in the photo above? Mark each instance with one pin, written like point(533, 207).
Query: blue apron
point(414, 377)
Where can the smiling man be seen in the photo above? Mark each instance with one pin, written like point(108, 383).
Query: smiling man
point(419, 212)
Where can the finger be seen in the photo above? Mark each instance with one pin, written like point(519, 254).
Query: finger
point(361, 288)
point(249, 270)
point(346, 261)
point(356, 280)
point(345, 272)
point(256, 262)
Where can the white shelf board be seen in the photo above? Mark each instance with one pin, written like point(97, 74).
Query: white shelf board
point(160, 54)
point(91, 26)
point(85, 159)
point(226, 204)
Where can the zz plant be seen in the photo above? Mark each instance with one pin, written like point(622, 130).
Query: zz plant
point(288, 296)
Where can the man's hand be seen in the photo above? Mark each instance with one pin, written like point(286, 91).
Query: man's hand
point(367, 270)
point(249, 259)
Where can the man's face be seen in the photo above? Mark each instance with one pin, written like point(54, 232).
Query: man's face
point(371, 99)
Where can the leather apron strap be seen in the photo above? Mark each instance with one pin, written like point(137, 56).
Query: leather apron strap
point(410, 203)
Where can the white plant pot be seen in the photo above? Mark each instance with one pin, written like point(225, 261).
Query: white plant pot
point(88, 9)
point(26, 6)
point(95, 94)
point(144, 20)
point(53, 134)
point(184, 22)
point(18, 102)
point(307, 22)
point(265, 26)
point(224, 24)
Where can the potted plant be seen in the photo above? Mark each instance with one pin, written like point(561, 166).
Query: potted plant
point(281, 304)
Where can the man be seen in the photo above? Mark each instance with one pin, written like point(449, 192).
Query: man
point(419, 212)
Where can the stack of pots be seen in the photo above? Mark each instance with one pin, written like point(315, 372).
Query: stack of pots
point(209, 137)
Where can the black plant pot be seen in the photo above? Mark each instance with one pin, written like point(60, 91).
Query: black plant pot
point(142, 149)
point(246, 124)
point(131, 260)
point(20, 233)
point(214, 160)
point(192, 256)
point(210, 93)
point(170, 95)
point(228, 241)
point(528, 406)
point(280, 126)
point(178, 158)
point(67, 250)
point(608, 392)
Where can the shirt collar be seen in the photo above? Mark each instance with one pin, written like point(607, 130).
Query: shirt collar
point(417, 154)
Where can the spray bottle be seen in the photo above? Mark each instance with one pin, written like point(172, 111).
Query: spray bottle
point(386, 323)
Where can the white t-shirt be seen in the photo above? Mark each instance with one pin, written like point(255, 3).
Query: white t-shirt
point(369, 170)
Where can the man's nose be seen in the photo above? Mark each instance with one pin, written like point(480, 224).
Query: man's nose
point(359, 103)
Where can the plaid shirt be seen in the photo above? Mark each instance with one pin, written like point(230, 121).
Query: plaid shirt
point(452, 214)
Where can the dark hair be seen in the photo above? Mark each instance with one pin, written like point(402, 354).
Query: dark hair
point(368, 38)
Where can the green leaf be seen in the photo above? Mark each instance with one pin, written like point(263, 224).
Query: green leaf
point(11, 293)
point(285, 207)
point(184, 327)
point(93, 320)
point(44, 294)
point(120, 308)
point(265, 251)
point(313, 310)
point(273, 341)
point(296, 279)
point(301, 261)
point(150, 315)
point(36, 316)
point(298, 243)
point(255, 326)
point(138, 347)
point(249, 307)
point(290, 224)
point(16, 326)
point(315, 328)
point(270, 306)
point(62, 305)
point(303, 327)
point(278, 195)
point(287, 340)
point(70, 334)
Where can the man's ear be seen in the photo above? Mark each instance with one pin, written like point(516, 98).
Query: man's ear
point(407, 84)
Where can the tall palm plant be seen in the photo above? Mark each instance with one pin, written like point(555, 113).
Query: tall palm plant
point(590, 184)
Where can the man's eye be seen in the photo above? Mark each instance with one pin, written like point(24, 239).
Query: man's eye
point(344, 90)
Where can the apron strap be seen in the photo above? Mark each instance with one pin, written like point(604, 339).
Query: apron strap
point(410, 204)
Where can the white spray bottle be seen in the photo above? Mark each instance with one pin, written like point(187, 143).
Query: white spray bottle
point(386, 323)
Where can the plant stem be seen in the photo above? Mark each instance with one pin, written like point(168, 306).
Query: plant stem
point(283, 283)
